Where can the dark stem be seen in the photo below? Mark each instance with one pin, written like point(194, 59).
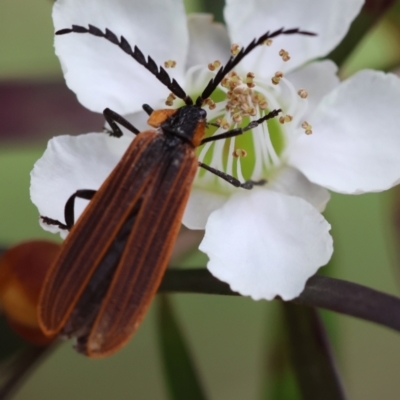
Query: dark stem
point(311, 355)
point(330, 293)
point(20, 367)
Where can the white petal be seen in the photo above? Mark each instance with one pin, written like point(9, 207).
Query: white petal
point(200, 205)
point(292, 182)
point(330, 20)
point(197, 78)
point(71, 163)
point(208, 40)
point(355, 145)
point(99, 72)
point(318, 78)
point(266, 244)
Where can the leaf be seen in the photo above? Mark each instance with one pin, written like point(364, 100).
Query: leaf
point(370, 14)
point(180, 372)
point(311, 355)
point(279, 382)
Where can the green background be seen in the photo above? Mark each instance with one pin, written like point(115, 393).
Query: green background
point(229, 337)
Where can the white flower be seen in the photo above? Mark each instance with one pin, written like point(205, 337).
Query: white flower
point(263, 242)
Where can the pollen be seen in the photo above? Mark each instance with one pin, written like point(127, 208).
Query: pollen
point(223, 123)
point(215, 65)
point(240, 90)
point(250, 80)
point(237, 117)
point(259, 100)
point(307, 128)
point(285, 55)
point(285, 119)
point(239, 153)
point(211, 104)
point(303, 93)
point(268, 42)
point(170, 64)
point(170, 99)
point(235, 48)
point(277, 77)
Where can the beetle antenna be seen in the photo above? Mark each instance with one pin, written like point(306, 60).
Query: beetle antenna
point(235, 60)
point(149, 64)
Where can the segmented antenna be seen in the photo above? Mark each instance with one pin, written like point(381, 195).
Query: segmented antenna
point(150, 65)
point(235, 60)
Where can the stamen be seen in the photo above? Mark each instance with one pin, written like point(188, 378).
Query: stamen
point(268, 42)
point(303, 93)
point(307, 127)
point(247, 98)
point(259, 99)
point(235, 48)
point(237, 118)
point(170, 99)
point(239, 153)
point(250, 80)
point(284, 54)
point(241, 90)
point(277, 77)
point(215, 65)
point(211, 104)
point(170, 64)
point(223, 123)
point(285, 119)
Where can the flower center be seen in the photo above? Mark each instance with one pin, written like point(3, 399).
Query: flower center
point(241, 98)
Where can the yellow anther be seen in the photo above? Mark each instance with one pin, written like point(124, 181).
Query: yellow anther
point(277, 77)
point(225, 82)
point(250, 80)
point(237, 118)
point(268, 42)
point(239, 153)
point(170, 64)
point(211, 104)
point(223, 123)
point(241, 90)
point(170, 99)
point(303, 93)
point(252, 111)
point(263, 105)
point(235, 48)
point(285, 119)
point(257, 98)
point(307, 128)
point(215, 65)
point(284, 54)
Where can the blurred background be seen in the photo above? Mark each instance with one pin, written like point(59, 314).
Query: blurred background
point(232, 339)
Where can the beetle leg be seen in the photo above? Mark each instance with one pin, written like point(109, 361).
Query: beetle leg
point(232, 180)
point(147, 109)
point(112, 118)
point(86, 194)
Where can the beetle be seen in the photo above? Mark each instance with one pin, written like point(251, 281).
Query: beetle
point(113, 259)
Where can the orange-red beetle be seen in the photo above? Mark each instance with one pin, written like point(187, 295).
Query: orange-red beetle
point(113, 260)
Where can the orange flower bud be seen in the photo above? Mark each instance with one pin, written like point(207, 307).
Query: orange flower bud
point(22, 272)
